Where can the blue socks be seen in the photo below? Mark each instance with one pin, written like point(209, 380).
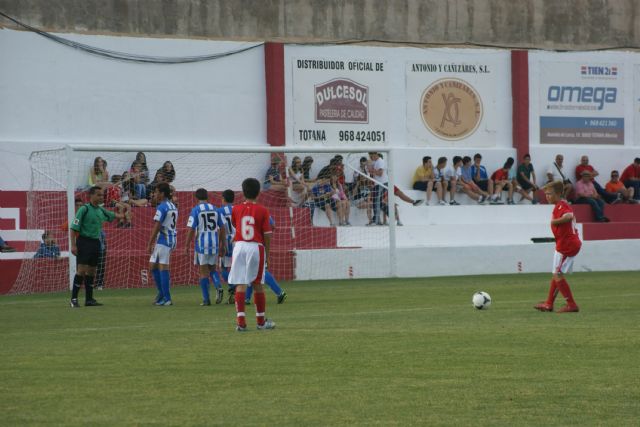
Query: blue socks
point(215, 278)
point(204, 286)
point(164, 280)
point(158, 281)
point(271, 282)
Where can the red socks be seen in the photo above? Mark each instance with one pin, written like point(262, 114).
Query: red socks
point(553, 291)
point(240, 308)
point(565, 291)
point(261, 303)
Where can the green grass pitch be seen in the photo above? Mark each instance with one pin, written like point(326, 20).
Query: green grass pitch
point(359, 352)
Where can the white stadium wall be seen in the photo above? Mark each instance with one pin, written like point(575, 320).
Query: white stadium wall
point(51, 95)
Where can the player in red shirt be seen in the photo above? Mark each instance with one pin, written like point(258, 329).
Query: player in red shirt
point(250, 253)
point(567, 247)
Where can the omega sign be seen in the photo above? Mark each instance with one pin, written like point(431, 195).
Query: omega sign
point(341, 101)
point(451, 109)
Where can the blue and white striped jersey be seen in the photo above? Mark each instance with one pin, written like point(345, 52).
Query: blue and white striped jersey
point(167, 215)
point(205, 220)
point(225, 214)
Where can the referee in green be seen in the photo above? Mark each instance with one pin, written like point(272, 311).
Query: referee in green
point(85, 244)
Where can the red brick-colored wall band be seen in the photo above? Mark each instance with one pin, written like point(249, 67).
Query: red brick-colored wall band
point(274, 79)
point(520, 95)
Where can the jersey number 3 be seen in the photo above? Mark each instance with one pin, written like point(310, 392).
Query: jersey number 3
point(247, 228)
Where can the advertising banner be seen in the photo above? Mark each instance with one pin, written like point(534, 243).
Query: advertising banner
point(456, 100)
point(636, 101)
point(340, 100)
point(581, 102)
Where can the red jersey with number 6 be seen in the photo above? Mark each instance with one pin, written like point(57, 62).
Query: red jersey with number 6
point(567, 240)
point(251, 222)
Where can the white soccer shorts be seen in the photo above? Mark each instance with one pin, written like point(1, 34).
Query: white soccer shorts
point(161, 255)
point(248, 264)
point(205, 259)
point(562, 263)
point(226, 261)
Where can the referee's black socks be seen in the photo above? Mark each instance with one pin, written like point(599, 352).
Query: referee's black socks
point(88, 287)
point(77, 282)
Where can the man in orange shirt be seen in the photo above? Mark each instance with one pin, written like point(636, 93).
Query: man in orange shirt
point(617, 186)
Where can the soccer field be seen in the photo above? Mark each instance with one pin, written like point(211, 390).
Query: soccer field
point(361, 352)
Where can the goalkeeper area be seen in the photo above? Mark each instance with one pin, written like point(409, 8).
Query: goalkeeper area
point(345, 352)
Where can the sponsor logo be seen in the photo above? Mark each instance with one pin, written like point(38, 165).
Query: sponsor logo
point(340, 101)
point(451, 109)
point(598, 70)
point(591, 98)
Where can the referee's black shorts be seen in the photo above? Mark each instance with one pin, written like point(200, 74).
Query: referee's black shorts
point(88, 251)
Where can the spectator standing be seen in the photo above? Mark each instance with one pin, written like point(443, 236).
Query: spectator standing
point(168, 172)
point(556, 172)
point(114, 199)
point(361, 191)
point(378, 171)
point(98, 174)
point(341, 201)
point(585, 166)
point(526, 179)
point(617, 186)
point(631, 177)
point(587, 194)
point(143, 173)
point(298, 184)
point(307, 162)
point(137, 177)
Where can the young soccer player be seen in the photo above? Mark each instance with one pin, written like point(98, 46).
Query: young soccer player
point(250, 253)
point(567, 247)
point(228, 197)
point(268, 279)
point(162, 241)
point(206, 221)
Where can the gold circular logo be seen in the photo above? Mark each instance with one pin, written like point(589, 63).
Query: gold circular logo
point(451, 109)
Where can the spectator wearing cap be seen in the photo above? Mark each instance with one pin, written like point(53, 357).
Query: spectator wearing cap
point(586, 194)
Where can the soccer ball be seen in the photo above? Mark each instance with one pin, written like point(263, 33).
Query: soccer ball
point(481, 300)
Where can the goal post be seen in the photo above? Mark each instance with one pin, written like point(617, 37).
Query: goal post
point(305, 246)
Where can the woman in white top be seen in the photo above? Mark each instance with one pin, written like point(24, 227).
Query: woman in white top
point(298, 186)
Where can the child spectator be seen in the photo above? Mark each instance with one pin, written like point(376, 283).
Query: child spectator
point(438, 175)
point(98, 174)
point(128, 185)
point(470, 188)
point(341, 201)
point(141, 158)
point(298, 184)
point(501, 181)
point(323, 196)
point(138, 180)
point(168, 171)
point(481, 178)
point(617, 187)
point(113, 198)
point(48, 247)
point(526, 179)
point(424, 179)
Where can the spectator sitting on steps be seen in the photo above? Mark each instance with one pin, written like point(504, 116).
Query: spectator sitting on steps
point(587, 194)
point(617, 186)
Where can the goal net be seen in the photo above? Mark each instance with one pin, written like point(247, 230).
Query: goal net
point(311, 241)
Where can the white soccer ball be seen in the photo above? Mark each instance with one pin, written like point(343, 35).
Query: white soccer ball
point(481, 300)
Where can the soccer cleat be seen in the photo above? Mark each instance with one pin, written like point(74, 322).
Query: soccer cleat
point(247, 301)
point(417, 202)
point(205, 303)
point(167, 303)
point(100, 288)
point(268, 324)
point(543, 306)
point(159, 303)
point(232, 297)
point(92, 303)
point(241, 328)
point(74, 303)
point(282, 297)
point(569, 308)
point(219, 295)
